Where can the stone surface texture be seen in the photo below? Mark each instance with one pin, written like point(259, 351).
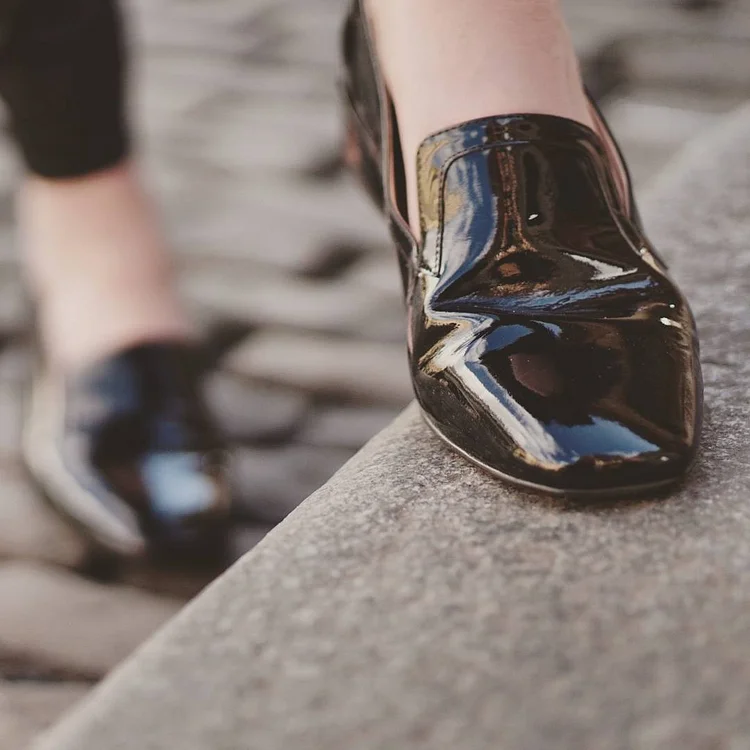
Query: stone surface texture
point(415, 603)
point(238, 123)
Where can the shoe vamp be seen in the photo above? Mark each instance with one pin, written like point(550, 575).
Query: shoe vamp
point(551, 281)
point(537, 230)
point(570, 381)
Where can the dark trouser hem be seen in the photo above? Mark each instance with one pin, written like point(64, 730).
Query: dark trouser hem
point(62, 78)
point(65, 162)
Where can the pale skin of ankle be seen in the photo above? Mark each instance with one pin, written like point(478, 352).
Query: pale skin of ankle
point(97, 266)
point(446, 62)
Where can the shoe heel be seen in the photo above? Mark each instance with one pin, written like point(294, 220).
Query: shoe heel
point(360, 156)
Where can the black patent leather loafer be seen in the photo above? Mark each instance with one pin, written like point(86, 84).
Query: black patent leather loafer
point(547, 342)
point(127, 452)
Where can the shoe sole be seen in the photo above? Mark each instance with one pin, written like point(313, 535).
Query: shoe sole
point(635, 490)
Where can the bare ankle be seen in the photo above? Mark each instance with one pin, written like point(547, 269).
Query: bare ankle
point(98, 266)
point(447, 62)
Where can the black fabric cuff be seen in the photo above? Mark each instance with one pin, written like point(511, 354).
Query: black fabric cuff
point(62, 78)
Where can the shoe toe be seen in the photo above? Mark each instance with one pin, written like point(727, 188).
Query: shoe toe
point(570, 407)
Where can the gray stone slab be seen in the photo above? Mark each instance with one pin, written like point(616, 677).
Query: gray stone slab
point(27, 709)
point(271, 138)
point(174, 26)
point(282, 82)
point(662, 16)
point(177, 580)
point(345, 426)
point(280, 223)
point(267, 485)
point(29, 530)
point(415, 603)
point(339, 207)
point(11, 416)
point(695, 60)
point(360, 371)
point(59, 621)
point(15, 366)
point(8, 244)
point(246, 538)
point(651, 128)
point(264, 300)
point(378, 272)
point(237, 225)
point(252, 413)
point(13, 305)
point(310, 35)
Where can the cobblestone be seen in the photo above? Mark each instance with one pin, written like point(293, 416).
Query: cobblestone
point(86, 629)
point(253, 413)
point(11, 404)
point(380, 273)
point(173, 579)
point(282, 302)
point(246, 538)
point(367, 372)
point(340, 207)
point(15, 362)
point(262, 236)
point(26, 709)
point(654, 129)
point(29, 531)
point(279, 224)
point(694, 61)
point(267, 484)
point(269, 138)
point(344, 426)
point(12, 305)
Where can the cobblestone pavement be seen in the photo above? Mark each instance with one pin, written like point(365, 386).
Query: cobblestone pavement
point(276, 246)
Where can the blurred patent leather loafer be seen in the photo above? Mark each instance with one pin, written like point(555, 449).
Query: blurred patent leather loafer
point(127, 452)
point(547, 343)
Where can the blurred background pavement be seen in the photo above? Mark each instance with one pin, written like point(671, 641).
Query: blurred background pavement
point(277, 249)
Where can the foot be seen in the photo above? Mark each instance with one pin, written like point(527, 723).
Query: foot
point(117, 436)
point(547, 343)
